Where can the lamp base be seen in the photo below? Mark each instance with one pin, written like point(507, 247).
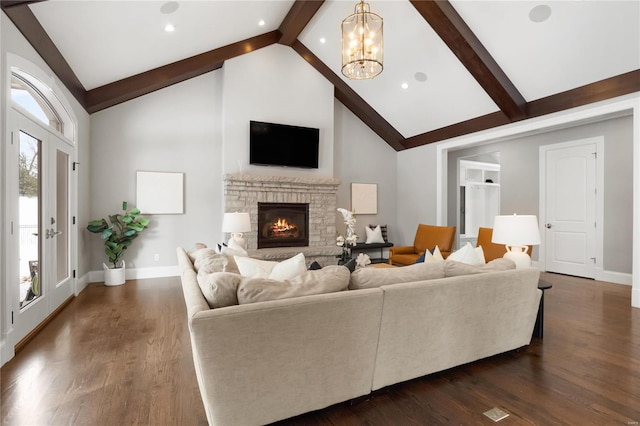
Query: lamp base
point(237, 240)
point(518, 254)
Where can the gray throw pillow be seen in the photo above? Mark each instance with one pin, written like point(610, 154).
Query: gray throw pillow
point(220, 289)
point(329, 279)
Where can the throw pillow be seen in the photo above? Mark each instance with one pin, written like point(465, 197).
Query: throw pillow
point(207, 260)
point(256, 268)
point(192, 253)
point(377, 277)
point(374, 235)
point(469, 255)
point(430, 256)
point(220, 289)
point(383, 230)
point(330, 279)
point(315, 266)
point(453, 268)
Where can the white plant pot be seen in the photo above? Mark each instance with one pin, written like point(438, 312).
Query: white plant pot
point(114, 276)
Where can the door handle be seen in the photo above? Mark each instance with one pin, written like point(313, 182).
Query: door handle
point(549, 226)
point(52, 233)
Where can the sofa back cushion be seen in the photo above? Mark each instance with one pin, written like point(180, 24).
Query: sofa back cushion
point(207, 260)
point(453, 268)
point(376, 277)
point(329, 279)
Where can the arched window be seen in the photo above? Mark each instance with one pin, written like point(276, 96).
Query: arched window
point(35, 98)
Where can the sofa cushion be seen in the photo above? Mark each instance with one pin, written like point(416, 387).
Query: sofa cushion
point(256, 268)
point(207, 260)
point(220, 289)
point(453, 268)
point(377, 277)
point(330, 279)
point(469, 255)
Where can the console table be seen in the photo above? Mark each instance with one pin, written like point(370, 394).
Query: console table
point(373, 246)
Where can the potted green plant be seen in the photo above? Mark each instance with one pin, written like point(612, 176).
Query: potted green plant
point(118, 234)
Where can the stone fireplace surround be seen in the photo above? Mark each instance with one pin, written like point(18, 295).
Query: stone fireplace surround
point(242, 192)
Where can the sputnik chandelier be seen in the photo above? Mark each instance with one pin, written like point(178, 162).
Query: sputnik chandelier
point(362, 44)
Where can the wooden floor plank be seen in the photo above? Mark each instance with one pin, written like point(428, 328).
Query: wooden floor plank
point(122, 356)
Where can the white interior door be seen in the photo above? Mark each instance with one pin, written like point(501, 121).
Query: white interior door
point(570, 209)
point(41, 191)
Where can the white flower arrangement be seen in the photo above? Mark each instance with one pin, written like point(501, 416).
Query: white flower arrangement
point(351, 237)
point(362, 260)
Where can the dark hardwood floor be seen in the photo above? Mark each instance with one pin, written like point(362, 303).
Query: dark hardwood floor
point(121, 356)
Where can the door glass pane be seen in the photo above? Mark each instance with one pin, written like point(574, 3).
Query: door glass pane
point(29, 218)
point(62, 216)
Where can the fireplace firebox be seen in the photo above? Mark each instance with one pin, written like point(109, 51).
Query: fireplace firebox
point(283, 225)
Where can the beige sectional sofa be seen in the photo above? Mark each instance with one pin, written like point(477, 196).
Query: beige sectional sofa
point(261, 362)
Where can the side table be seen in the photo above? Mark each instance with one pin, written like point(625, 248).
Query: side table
point(538, 328)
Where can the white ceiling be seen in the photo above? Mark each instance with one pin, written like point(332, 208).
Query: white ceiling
point(580, 43)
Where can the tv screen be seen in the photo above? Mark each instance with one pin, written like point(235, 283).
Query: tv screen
point(273, 144)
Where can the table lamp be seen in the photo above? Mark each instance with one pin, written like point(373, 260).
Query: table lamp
point(236, 223)
point(516, 232)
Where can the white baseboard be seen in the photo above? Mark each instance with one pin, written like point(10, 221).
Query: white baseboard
point(82, 283)
point(613, 277)
point(139, 273)
point(635, 298)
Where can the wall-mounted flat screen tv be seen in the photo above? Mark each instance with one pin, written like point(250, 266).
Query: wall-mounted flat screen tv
point(273, 144)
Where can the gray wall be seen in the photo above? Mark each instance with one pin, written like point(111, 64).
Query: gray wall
point(172, 130)
point(519, 189)
point(361, 156)
point(178, 129)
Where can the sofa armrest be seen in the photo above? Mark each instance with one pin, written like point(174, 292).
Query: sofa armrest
point(402, 250)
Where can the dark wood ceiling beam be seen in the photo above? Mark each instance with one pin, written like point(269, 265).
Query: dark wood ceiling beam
point(26, 22)
point(297, 19)
point(457, 35)
point(5, 4)
point(459, 129)
point(141, 84)
point(352, 100)
point(613, 87)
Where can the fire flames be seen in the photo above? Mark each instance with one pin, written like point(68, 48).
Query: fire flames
point(281, 228)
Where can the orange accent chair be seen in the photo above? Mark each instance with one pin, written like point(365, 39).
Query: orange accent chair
point(492, 250)
point(427, 237)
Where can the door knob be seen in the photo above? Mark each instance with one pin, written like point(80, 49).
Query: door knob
point(549, 226)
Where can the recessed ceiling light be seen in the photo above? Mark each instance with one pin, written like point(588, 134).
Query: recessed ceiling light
point(420, 76)
point(261, 22)
point(540, 13)
point(323, 40)
point(169, 28)
point(169, 7)
point(404, 85)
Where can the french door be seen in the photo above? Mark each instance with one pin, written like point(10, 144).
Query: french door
point(41, 226)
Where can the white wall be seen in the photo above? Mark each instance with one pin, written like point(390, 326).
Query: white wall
point(361, 156)
point(275, 85)
point(176, 129)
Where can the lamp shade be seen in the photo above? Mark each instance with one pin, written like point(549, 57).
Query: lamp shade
point(516, 230)
point(236, 222)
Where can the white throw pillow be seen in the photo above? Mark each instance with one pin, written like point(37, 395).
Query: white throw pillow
point(374, 235)
point(287, 269)
point(469, 255)
point(433, 258)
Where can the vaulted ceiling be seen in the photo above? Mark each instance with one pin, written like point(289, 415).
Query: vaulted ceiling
point(450, 67)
